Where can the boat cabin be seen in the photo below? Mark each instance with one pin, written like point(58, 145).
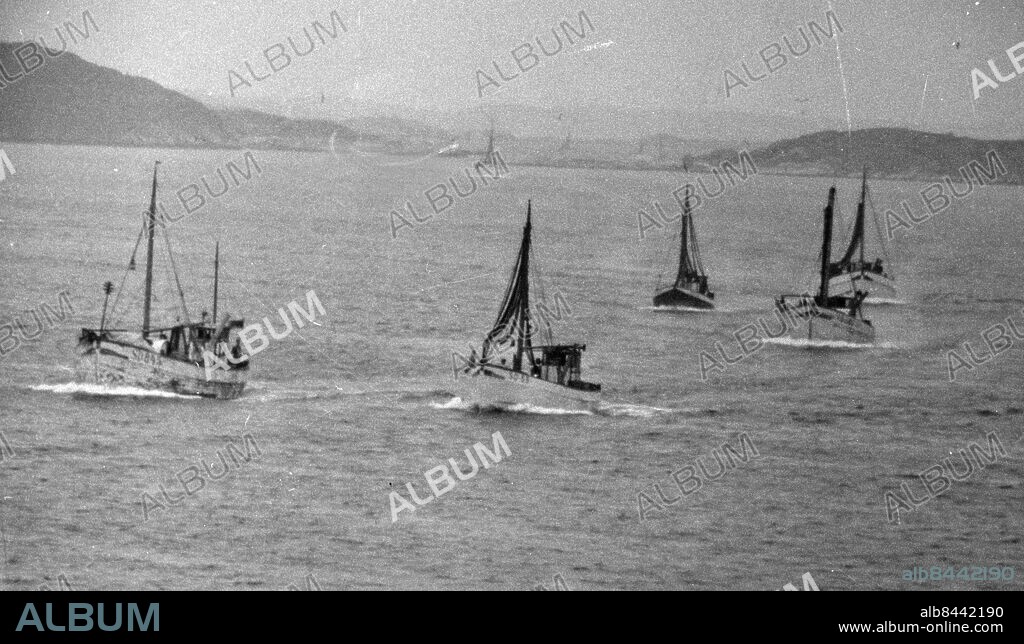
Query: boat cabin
point(807, 306)
point(185, 342)
point(560, 364)
point(698, 283)
point(857, 266)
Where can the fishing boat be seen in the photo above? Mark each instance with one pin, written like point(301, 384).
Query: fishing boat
point(690, 289)
point(510, 369)
point(827, 317)
point(851, 274)
point(186, 358)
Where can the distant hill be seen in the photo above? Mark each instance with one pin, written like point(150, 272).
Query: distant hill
point(890, 153)
point(71, 101)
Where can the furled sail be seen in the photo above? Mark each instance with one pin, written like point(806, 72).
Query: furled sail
point(691, 268)
point(513, 329)
point(857, 239)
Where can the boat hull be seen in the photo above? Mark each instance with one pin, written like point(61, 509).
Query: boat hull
point(681, 297)
point(824, 324)
point(112, 363)
point(875, 285)
point(490, 387)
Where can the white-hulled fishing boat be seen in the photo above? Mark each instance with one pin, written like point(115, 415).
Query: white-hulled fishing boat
point(174, 358)
point(510, 369)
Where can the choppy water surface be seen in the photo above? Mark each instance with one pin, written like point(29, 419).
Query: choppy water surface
point(348, 410)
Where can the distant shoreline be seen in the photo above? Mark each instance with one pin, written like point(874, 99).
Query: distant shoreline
point(704, 168)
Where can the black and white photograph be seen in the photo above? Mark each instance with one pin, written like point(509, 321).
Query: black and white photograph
point(512, 295)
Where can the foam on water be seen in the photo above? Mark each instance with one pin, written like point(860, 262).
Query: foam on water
point(804, 343)
point(103, 390)
point(458, 404)
point(638, 411)
point(676, 309)
point(601, 409)
point(884, 301)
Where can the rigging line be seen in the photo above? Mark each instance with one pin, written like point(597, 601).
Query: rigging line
point(174, 269)
point(696, 249)
point(878, 229)
point(542, 292)
point(669, 253)
point(541, 296)
point(124, 276)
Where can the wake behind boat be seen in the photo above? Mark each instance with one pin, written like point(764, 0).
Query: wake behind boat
point(172, 358)
point(510, 370)
point(849, 274)
point(828, 317)
point(690, 289)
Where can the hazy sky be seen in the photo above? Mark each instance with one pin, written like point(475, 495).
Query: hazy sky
point(899, 58)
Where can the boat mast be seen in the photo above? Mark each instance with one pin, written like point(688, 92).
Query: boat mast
point(151, 229)
point(826, 247)
point(107, 288)
point(860, 214)
point(216, 276)
point(683, 238)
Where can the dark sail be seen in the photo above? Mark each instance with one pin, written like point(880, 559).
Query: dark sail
point(828, 317)
point(691, 286)
point(690, 267)
point(826, 248)
point(857, 240)
point(513, 328)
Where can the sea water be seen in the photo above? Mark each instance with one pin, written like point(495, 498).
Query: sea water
point(348, 410)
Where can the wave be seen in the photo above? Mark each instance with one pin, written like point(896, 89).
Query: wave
point(328, 390)
point(458, 404)
point(827, 344)
point(884, 301)
point(676, 309)
point(602, 408)
point(636, 411)
point(103, 390)
point(938, 297)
